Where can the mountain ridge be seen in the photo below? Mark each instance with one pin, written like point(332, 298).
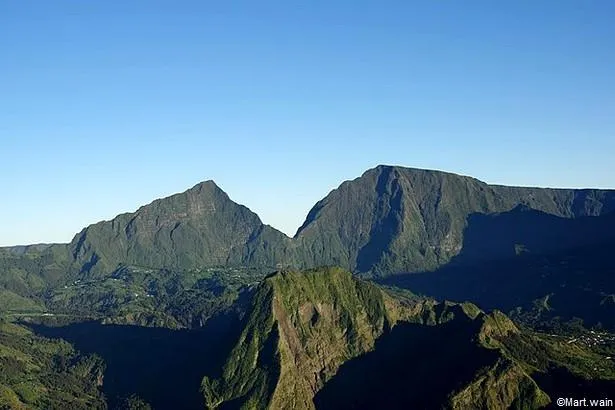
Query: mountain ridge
point(391, 219)
point(380, 166)
point(405, 219)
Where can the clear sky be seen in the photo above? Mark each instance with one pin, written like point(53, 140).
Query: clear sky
point(107, 105)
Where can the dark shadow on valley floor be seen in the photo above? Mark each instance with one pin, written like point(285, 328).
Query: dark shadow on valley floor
point(164, 367)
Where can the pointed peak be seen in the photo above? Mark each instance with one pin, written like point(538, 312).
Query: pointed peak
point(210, 183)
point(205, 187)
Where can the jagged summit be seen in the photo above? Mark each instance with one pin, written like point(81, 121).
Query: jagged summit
point(200, 193)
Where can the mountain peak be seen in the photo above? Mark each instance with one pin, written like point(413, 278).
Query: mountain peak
point(399, 219)
point(207, 184)
point(201, 189)
point(199, 227)
point(392, 219)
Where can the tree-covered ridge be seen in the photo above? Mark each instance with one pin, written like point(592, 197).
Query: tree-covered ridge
point(46, 374)
point(28, 272)
point(316, 320)
point(312, 340)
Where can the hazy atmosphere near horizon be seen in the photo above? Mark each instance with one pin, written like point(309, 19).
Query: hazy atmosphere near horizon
point(106, 106)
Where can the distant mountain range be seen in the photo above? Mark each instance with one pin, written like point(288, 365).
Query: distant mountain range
point(390, 220)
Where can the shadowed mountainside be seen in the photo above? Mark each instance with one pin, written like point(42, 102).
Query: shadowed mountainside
point(399, 361)
point(524, 230)
point(546, 265)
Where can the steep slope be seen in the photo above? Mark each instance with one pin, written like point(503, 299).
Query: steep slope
point(197, 228)
point(315, 321)
point(524, 231)
point(395, 219)
point(317, 339)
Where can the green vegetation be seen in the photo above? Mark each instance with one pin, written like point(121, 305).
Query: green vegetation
point(43, 373)
point(390, 220)
point(311, 338)
point(155, 297)
point(138, 296)
point(515, 389)
point(27, 272)
point(308, 339)
point(316, 320)
point(14, 303)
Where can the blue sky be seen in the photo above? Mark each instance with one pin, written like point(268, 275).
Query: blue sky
point(107, 105)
